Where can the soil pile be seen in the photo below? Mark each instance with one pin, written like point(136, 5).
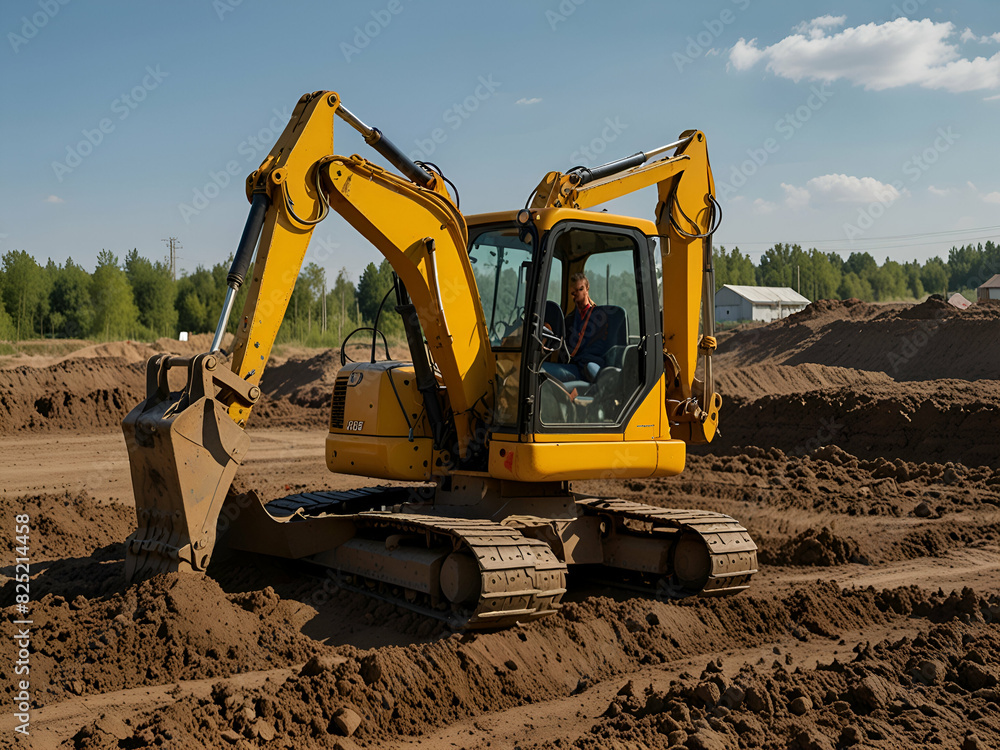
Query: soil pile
point(69, 525)
point(75, 394)
point(938, 688)
point(380, 693)
point(936, 421)
point(303, 381)
point(756, 381)
point(172, 627)
point(816, 548)
point(926, 341)
point(95, 387)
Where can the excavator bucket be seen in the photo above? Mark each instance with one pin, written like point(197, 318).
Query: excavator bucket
point(184, 450)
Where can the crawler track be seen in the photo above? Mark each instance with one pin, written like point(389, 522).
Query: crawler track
point(520, 579)
point(732, 554)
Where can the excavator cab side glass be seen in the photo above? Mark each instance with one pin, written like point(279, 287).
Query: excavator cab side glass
point(501, 264)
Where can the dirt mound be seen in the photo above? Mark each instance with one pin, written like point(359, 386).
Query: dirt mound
point(391, 691)
point(930, 340)
point(304, 381)
point(69, 525)
point(172, 627)
point(754, 381)
point(938, 688)
point(74, 394)
point(96, 389)
point(196, 344)
point(935, 421)
point(406, 690)
point(824, 310)
point(816, 548)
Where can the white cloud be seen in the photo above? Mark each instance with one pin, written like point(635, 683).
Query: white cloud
point(969, 36)
point(54, 199)
point(744, 55)
point(795, 197)
point(815, 27)
point(882, 56)
point(525, 101)
point(761, 206)
point(938, 191)
point(993, 197)
point(842, 188)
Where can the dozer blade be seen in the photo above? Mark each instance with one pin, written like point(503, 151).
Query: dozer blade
point(184, 450)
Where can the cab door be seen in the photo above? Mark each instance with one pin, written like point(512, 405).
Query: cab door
point(589, 376)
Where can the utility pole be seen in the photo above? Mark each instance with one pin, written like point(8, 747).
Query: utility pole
point(174, 245)
point(324, 303)
point(798, 279)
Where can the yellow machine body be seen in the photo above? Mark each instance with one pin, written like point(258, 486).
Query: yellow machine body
point(495, 413)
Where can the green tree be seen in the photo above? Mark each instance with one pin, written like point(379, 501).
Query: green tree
point(741, 269)
point(776, 267)
point(115, 314)
point(853, 286)
point(341, 301)
point(199, 299)
point(24, 290)
point(826, 274)
point(155, 293)
point(7, 330)
point(913, 281)
point(375, 282)
point(934, 276)
point(70, 305)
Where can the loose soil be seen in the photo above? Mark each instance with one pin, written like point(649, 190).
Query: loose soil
point(858, 446)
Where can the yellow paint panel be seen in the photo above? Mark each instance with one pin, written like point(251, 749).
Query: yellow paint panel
point(553, 462)
point(382, 457)
point(650, 419)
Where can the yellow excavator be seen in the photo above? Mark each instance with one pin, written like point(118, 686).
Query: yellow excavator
point(497, 410)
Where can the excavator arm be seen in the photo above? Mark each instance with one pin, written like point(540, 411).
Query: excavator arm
point(185, 446)
point(686, 217)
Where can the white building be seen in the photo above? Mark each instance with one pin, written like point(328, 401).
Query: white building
point(989, 290)
point(764, 303)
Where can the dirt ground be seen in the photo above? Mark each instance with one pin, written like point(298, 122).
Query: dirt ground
point(858, 445)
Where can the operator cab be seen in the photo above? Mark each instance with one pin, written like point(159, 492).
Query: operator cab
point(569, 362)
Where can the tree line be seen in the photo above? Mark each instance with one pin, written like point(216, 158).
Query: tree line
point(819, 275)
point(139, 299)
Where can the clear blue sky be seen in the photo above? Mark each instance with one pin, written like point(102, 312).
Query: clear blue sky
point(864, 127)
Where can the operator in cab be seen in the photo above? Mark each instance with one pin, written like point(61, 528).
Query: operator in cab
point(586, 339)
